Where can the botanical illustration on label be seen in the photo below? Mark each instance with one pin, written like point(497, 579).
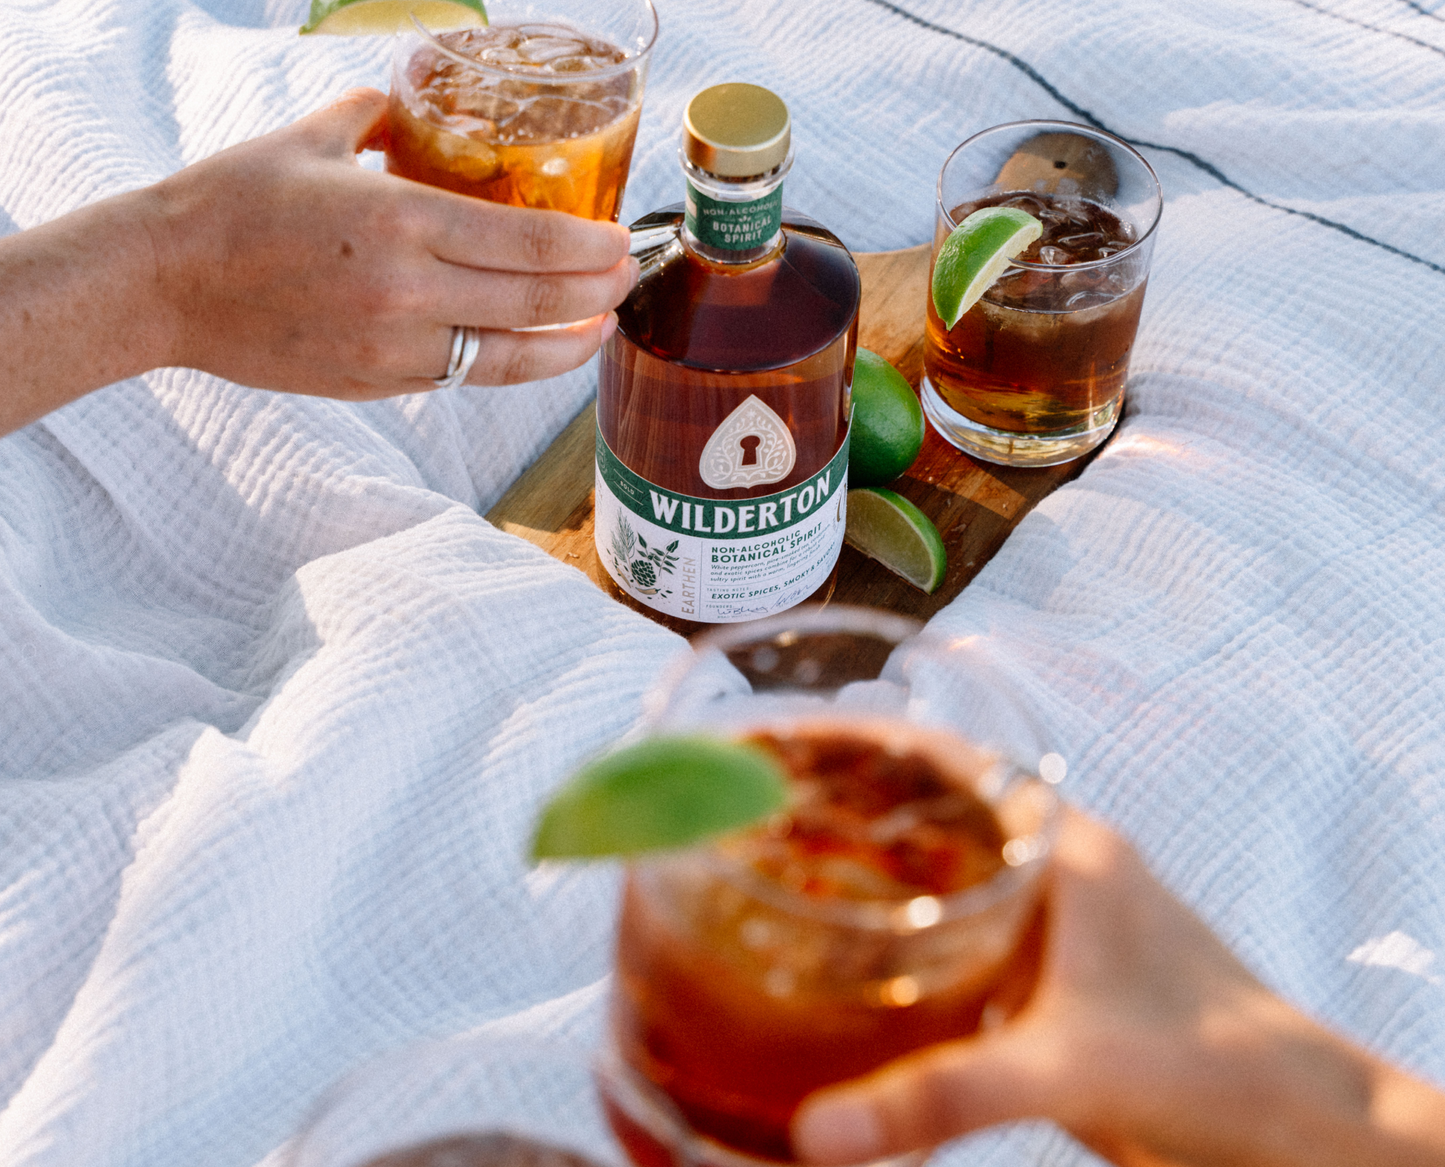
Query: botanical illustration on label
point(752, 447)
point(733, 226)
point(646, 567)
point(718, 560)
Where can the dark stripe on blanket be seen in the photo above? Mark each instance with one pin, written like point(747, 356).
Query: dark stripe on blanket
point(1193, 159)
point(1370, 27)
point(1422, 11)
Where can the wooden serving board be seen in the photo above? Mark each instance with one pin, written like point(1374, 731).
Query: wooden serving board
point(974, 504)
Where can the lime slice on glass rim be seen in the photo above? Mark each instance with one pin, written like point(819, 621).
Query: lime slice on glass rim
point(362, 17)
point(975, 254)
point(887, 527)
point(661, 793)
point(887, 422)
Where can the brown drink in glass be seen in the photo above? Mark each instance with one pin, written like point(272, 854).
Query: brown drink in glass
point(535, 110)
point(882, 911)
point(1034, 373)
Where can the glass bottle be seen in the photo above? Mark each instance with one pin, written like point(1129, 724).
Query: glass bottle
point(723, 401)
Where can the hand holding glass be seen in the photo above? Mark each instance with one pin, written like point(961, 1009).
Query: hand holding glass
point(879, 913)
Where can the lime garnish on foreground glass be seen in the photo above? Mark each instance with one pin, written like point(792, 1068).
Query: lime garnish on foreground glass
point(361, 17)
point(887, 428)
point(887, 527)
point(661, 793)
point(975, 254)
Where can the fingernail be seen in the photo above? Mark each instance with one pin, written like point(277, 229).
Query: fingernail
point(837, 1130)
point(609, 326)
point(636, 269)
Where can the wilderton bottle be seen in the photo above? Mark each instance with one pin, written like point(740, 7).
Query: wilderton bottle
point(724, 396)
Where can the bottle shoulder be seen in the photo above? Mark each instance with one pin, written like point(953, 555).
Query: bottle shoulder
point(766, 314)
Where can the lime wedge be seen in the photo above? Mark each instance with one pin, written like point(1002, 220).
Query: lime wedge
point(887, 527)
point(887, 422)
point(975, 254)
point(360, 17)
point(663, 792)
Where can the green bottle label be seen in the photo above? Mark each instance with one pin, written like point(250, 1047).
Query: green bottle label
point(734, 226)
point(719, 560)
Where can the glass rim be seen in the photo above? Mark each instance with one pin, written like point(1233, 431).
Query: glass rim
point(339, 1098)
point(1073, 127)
point(630, 63)
point(820, 618)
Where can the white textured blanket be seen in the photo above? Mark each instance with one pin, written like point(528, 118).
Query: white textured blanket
point(276, 705)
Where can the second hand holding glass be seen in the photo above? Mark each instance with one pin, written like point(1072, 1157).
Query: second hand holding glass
point(877, 912)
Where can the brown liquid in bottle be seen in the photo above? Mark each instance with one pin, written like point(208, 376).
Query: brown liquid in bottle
point(698, 337)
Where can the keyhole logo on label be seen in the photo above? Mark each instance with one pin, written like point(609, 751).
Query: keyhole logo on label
point(751, 447)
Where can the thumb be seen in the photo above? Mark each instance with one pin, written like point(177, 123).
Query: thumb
point(355, 121)
point(926, 1098)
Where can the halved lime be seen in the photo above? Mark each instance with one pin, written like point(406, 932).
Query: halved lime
point(359, 17)
point(663, 792)
point(975, 254)
point(887, 527)
point(887, 422)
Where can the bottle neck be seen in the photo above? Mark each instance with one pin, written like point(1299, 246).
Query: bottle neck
point(734, 220)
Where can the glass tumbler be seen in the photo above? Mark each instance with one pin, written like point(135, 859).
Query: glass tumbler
point(477, 1100)
point(537, 109)
point(883, 910)
point(1033, 374)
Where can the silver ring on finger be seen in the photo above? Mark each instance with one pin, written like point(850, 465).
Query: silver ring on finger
point(466, 344)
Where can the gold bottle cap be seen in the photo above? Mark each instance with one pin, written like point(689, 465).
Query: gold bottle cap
point(736, 130)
